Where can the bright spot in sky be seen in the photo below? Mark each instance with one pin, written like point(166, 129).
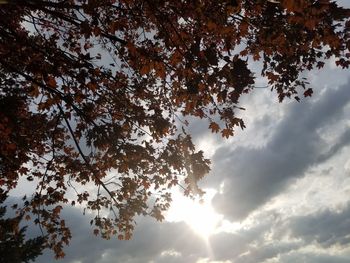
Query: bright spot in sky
point(200, 216)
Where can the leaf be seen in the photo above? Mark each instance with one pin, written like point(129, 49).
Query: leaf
point(92, 86)
point(215, 128)
point(210, 54)
point(51, 82)
point(97, 31)
point(35, 91)
point(272, 77)
point(211, 26)
point(57, 209)
point(256, 56)
point(226, 133)
point(308, 92)
point(175, 58)
point(11, 146)
point(160, 70)
point(146, 69)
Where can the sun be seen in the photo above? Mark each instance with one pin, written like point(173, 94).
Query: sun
point(199, 216)
point(202, 219)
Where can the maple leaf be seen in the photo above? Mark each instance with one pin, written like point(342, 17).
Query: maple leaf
point(214, 127)
point(308, 92)
point(51, 82)
point(227, 133)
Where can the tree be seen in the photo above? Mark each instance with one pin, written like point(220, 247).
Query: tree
point(13, 246)
point(96, 92)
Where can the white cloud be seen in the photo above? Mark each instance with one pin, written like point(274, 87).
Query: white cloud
point(252, 176)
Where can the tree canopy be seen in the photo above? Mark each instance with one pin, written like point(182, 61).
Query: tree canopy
point(13, 246)
point(94, 94)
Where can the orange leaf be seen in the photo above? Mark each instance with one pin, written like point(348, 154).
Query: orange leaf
point(256, 56)
point(214, 127)
point(97, 31)
point(51, 82)
point(211, 26)
point(35, 91)
point(160, 70)
point(11, 146)
point(227, 133)
point(146, 69)
point(57, 209)
point(92, 86)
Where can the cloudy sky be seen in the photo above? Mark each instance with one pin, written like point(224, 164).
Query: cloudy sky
point(277, 192)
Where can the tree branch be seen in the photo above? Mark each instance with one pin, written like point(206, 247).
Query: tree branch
point(86, 161)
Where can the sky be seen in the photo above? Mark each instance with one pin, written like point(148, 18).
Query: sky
point(278, 191)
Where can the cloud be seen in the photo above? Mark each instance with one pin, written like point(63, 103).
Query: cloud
point(326, 227)
point(313, 258)
point(268, 236)
point(265, 252)
point(251, 176)
point(322, 236)
point(152, 242)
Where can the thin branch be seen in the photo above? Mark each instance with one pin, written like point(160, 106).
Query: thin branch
point(83, 156)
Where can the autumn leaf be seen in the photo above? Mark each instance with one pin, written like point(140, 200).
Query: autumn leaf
point(272, 77)
point(256, 56)
point(57, 209)
point(308, 92)
point(160, 70)
point(97, 31)
point(35, 91)
point(92, 86)
point(51, 82)
point(214, 127)
point(146, 69)
point(11, 146)
point(226, 133)
point(211, 26)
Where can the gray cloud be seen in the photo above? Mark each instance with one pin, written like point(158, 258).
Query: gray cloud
point(270, 236)
point(326, 228)
point(313, 258)
point(252, 176)
point(160, 242)
point(283, 240)
point(269, 251)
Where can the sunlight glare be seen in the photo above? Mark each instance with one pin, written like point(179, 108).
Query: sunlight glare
point(201, 217)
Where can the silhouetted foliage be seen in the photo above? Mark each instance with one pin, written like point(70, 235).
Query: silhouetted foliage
point(14, 248)
point(95, 92)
